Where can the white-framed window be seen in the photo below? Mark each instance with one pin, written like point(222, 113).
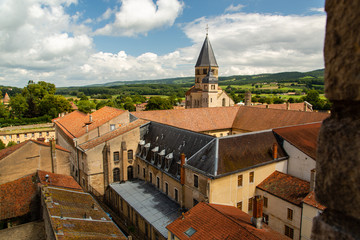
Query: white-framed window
point(112, 127)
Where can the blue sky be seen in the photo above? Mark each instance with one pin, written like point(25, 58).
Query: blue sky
point(79, 42)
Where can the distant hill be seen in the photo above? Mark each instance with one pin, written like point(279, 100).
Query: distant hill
point(235, 79)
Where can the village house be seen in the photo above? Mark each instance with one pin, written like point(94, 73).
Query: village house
point(27, 157)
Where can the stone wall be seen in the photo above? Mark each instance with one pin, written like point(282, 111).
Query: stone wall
point(338, 163)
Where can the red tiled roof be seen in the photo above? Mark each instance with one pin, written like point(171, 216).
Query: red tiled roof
point(310, 200)
point(194, 119)
point(17, 196)
point(256, 119)
point(293, 106)
point(304, 137)
point(6, 98)
point(106, 137)
point(58, 180)
point(213, 221)
point(73, 124)
point(286, 187)
point(7, 151)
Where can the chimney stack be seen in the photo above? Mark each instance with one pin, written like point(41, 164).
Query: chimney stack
point(47, 178)
point(275, 151)
point(90, 118)
point(182, 170)
point(287, 106)
point(257, 211)
point(312, 179)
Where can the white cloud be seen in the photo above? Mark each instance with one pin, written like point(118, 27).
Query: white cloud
point(140, 16)
point(233, 8)
point(321, 10)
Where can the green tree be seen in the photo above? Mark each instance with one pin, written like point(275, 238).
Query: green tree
point(129, 106)
point(11, 143)
point(2, 145)
point(85, 106)
point(4, 111)
point(158, 103)
point(52, 105)
point(18, 106)
point(291, 100)
point(34, 93)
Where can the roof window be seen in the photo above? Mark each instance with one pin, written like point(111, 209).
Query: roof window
point(190, 232)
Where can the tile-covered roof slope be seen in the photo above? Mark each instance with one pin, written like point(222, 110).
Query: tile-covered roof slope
point(161, 145)
point(211, 221)
point(17, 197)
point(256, 119)
point(194, 119)
point(58, 180)
point(310, 200)
point(236, 153)
point(286, 187)
point(110, 135)
point(292, 106)
point(73, 124)
point(206, 57)
point(7, 151)
point(304, 137)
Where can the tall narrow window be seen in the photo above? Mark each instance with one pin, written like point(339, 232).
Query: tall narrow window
point(251, 177)
point(150, 177)
point(138, 169)
point(130, 154)
point(289, 232)
point(157, 182)
point(239, 205)
point(250, 205)
point(144, 173)
point(116, 156)
point(176, 195)
point(116, 175)
point(166, 188)
point(196, 181)
point(290, 213)
point(240, 180)
point(146, 229)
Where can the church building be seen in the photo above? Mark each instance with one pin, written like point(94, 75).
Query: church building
point(206, 91)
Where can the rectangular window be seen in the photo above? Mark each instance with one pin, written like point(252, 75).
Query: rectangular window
point(265, 202)
point(166, 188)
point(212, 87)
point(144, 173)
point(112, 127)
point(138, 169)
point(240, 180)
point(47, 133)
point(25, 135)
point(290, 213)
point(250, 205)
point(251, 177)
point(204, 71)
point(239, 205)
point(150, 177)
point(196, 181)
point(40, 134)
point(130, 154)
point(157, 182)
point(176, 195)
point(289, 232)
point(265, 218)
point(146, 229)
point(116, 156)
point(18, 135)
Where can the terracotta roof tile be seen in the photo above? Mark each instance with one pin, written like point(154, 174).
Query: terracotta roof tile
point(304, 137)
point(73, 124)
point(17, 196)
point(194, 119)
point(106, 137)
point(257, 119)
point(213, 221)
point(310, 200)
point(58, 180)
point(286, 187)
point(283, 106)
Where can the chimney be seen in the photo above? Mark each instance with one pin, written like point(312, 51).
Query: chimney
point(47, 178)
point(305, 107)
point(90, 118)
point(182, 170)
point(287, 106)
point(87, 128)
point(267, 105)
point(53, 154)
point(275, 151)
point(312, 179)
point(257, 211)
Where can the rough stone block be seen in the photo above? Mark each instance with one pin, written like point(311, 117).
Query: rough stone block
point(338, 160)
point(342, 50)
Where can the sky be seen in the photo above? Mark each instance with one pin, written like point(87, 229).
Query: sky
point(82, 42)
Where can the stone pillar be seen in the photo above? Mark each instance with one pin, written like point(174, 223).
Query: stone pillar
point(338, 156)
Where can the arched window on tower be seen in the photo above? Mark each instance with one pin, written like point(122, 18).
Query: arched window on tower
point(116, 174)
point(204, 71)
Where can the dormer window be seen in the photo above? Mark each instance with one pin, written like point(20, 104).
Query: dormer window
point(147, 147)
point(154, 151)
point(168, 160)
point(161, 157)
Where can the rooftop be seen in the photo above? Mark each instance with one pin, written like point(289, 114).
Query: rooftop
point(310, 200)
point(292, 106)
point(236, 153)
point(57, 180)
point(73, 124)
point(206, 57)
point(154, 206)
point(17, 197)
point(304, 137)
point(212, 221)
point(286, 187)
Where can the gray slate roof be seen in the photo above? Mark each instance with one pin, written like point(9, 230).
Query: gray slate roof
point(206, 56)
point(209, 78)
point(155, 207)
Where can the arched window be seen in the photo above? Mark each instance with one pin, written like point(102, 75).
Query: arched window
point(116, 174)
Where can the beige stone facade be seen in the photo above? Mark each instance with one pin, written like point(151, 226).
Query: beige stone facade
point(31, 156)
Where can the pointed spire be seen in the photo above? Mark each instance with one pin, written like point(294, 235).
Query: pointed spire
point(206, 56)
